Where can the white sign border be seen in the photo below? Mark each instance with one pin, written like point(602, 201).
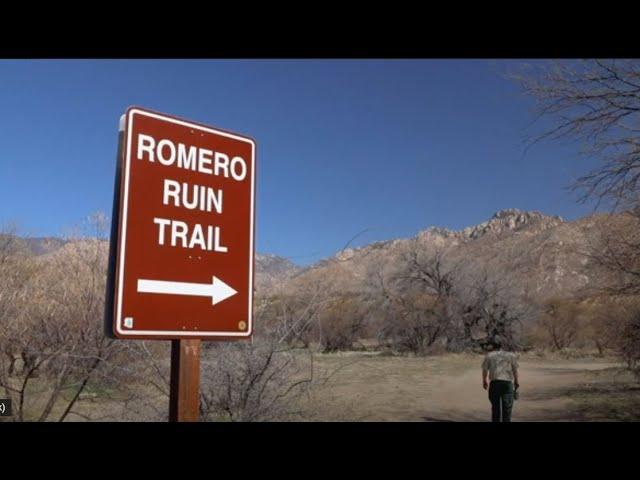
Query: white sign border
point(122, 238)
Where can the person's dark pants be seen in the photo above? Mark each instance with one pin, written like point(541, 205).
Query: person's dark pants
point(501, 397)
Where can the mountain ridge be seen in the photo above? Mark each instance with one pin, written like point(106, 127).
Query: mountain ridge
point(533, 254)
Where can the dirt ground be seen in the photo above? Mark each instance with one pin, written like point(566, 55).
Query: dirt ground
point(449, 388)
point(375, 387)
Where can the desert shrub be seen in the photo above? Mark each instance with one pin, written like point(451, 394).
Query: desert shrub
point(484, 310)
point(629, 341)
point(341, 322)
point(414, 324)
point(289, 318)
point(603, 318)
point(51, 335)
point(560, 322)
point(252, 381)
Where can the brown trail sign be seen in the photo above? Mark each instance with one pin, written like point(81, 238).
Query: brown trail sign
point(182, 238)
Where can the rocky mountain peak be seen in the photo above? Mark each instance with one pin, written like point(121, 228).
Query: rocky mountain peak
point(441, 231)
point(274, 264)
point(510, 219)
point(271, 270)
point(513, 219)
point(519, 216)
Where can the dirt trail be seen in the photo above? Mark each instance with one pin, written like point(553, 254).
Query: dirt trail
point(448, 388)
point(542, 393)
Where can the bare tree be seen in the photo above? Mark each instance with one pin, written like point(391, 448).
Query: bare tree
point(55, 327)
point(615, 246)
point(486, 308)
point(294, 316)
point(17, 271)
point(629, 342)
point(560, 321)
point(601, 317)
point(415, 298)
point(595, 102)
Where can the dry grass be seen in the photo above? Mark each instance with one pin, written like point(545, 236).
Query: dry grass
point(361, 386)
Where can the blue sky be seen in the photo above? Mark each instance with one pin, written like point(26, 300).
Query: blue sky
point(387, 146)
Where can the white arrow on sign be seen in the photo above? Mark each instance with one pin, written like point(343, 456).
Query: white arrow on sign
point(217, 289)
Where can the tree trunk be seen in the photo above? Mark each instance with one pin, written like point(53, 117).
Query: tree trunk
point(600, 348)
point(79, 391)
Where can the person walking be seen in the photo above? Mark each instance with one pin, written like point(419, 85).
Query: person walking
point(501, 368)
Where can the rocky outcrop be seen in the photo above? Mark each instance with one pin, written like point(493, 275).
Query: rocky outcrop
point(271, 270)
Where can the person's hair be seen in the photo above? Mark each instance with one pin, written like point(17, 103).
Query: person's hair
point(496, 343)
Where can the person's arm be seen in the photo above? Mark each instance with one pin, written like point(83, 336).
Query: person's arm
point(485, 372)
point(516, 376)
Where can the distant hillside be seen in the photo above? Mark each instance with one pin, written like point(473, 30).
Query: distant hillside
point(43, 245)
point(270, 269)
point(534, 254)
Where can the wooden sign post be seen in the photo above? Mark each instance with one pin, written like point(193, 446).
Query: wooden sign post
point(184, 401)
